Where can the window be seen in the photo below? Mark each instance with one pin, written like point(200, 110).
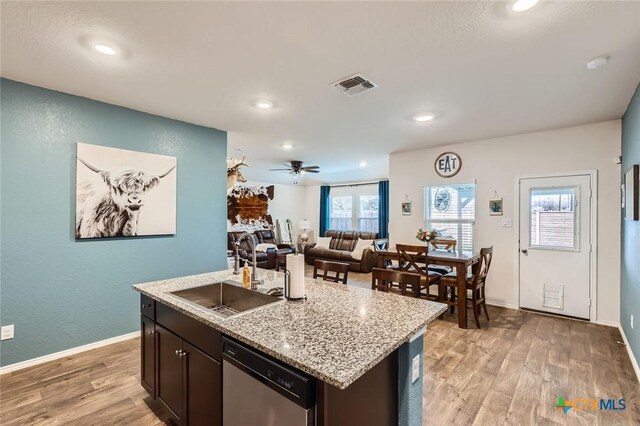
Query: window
point(368, 213)
point(341, 213)
point(365, 208)
point(451, 210)
point(552, 221)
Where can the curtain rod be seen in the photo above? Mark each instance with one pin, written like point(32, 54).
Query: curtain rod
point(354, 184)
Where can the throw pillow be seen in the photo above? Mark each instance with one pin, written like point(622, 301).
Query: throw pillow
point(361, 246)
point(323, 242)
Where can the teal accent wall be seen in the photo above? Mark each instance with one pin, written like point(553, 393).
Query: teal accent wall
point(410, 394)
point(630, 265)
point(61, 293)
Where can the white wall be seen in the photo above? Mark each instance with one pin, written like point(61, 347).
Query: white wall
point(494, 164)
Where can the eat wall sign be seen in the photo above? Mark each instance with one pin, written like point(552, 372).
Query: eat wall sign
point(448, 164)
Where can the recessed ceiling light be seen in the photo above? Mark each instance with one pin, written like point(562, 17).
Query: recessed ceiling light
point(363, 163)
point(264, 104)
point(523, 5)
point(597, 62)
point(287, 146)
point(423, 117)
point(105, 49)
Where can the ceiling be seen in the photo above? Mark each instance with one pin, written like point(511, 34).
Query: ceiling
point(483, 70)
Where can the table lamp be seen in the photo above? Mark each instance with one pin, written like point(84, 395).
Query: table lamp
point(304, 225)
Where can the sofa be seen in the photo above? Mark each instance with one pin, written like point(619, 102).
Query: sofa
point(341, 247)
point(265, 260)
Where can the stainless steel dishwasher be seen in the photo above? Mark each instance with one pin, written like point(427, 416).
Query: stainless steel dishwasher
point(260, 391)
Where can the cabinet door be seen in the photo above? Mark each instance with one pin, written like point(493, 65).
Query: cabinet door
point(148, 352)
point(204, 388)
point(169, 385)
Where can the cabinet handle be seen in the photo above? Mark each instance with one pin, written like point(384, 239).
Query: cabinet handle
point(183, 354)
point(148, 305)
point(178, 351)
point(151, 332)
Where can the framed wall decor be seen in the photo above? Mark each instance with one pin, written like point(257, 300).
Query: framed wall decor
point(406, 206)
point(631, 186)
point(122, 193)
point(448, 164)
point(496, 206)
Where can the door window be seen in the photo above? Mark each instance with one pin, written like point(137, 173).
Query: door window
point(553, 218)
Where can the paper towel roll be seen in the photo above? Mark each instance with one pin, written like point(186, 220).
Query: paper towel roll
point(295, 266)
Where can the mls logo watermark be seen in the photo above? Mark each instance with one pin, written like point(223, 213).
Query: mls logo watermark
point(591, 404)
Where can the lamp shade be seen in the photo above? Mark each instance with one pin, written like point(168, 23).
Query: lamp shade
point(304, 224)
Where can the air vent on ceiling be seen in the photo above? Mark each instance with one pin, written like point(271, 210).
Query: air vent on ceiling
point(354, 85)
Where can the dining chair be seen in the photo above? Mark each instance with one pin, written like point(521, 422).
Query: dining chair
point(414, 258)
point(475, 285)
point(444, 244)
point(340, 269)
point(392, 281)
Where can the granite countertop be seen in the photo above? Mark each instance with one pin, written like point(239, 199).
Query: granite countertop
point(339, 333)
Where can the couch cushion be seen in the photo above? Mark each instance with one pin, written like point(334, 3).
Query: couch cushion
point(345, 256)
point(368, 235)
point(266, 236)
point(315, 251)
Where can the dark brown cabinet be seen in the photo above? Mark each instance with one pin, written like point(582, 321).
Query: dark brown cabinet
point(169, 388)
point(148, 353)
point(203, 388)
point(186, 379)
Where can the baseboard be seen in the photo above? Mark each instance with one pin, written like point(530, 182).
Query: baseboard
point(502, 304)
point(633, 358)
point(57, 355)
point(608, 323)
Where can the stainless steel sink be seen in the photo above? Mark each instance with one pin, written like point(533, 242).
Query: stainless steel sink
point(226, 299)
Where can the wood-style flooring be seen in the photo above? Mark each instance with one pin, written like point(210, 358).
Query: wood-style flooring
point(510, 372)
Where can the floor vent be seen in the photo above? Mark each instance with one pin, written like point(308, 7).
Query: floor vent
point(553, 295)
point(354, 85)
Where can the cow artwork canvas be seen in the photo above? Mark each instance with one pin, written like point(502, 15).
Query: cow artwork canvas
point(122, 193)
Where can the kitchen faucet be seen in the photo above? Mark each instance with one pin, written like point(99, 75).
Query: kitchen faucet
point(254, 274)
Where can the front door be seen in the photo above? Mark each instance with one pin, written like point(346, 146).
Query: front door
point(555, 244)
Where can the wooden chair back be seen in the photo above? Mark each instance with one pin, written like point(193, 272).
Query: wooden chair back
point(388, 280)
point(444, 244)
point(482, 270)
point(412, 256)
point(340, 270)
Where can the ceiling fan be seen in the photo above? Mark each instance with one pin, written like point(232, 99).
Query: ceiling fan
point(296, 168)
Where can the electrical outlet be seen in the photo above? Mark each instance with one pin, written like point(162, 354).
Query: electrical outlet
point(415, 369)
point(6, 332)
point(631, 320)
point(507, 223)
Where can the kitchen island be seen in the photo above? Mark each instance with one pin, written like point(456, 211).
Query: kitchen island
point(360, 346)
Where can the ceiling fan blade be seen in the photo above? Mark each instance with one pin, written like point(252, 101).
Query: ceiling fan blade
point(309, 167)
point(279, 170)
point(312, 171)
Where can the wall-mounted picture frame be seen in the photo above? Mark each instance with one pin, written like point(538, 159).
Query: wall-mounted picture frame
point(406, 208)
point(631, 189)
point(496, 207)
point(123, 193)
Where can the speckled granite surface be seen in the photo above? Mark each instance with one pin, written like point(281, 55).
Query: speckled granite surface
point(336, 335)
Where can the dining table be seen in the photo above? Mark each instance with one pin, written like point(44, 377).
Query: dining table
point(458, 261)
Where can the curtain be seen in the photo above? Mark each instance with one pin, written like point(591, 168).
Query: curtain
point(383, 209)
point(325, 205)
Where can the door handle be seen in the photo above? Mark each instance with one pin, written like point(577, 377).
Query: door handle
point(524, 251)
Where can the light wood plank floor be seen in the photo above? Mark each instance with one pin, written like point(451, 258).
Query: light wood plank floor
point(510, 372)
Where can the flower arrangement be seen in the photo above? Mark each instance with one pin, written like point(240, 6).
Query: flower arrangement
point(426, 235)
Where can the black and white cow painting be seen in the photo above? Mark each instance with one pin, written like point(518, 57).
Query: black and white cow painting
point(122, 193)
